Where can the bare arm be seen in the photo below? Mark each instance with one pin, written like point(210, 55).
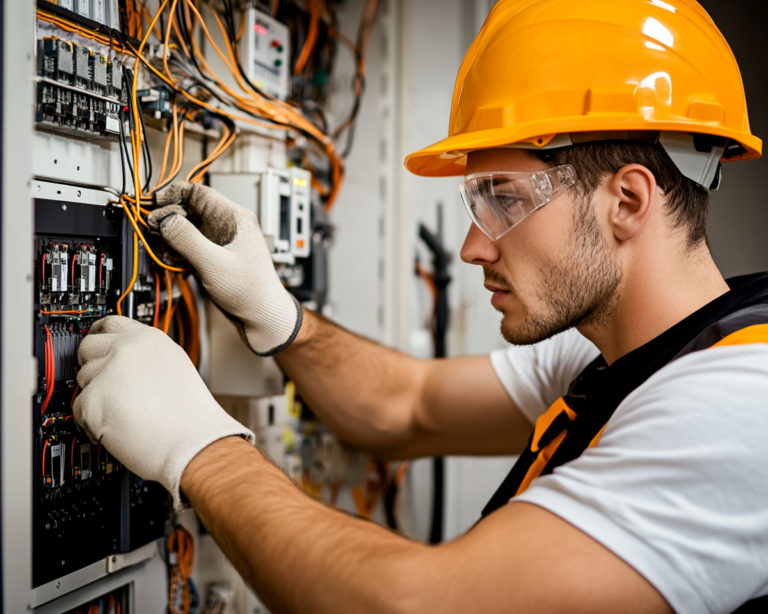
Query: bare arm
point(397, 406)
point(303, 557)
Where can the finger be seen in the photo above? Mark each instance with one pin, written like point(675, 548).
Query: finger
point(158, 215)
point(82, 410)
point(116, 325)
point(189, 242)
point(220, 216)
point(94, 347)
point(87, 372)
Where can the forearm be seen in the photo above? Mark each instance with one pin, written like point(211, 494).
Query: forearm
point(280, 540)
point(363, 391)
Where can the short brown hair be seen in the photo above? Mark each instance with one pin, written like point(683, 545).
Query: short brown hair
point(687, 202)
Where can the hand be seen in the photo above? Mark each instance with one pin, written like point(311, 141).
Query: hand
point(144, 401)
point(231, 258)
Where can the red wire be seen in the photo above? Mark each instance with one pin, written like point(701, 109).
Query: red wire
point(101, 265)
point(43, 268)
point(157, 299)
point(50, 369)
point(45, 448)
point(72, 403)
point(72, 282)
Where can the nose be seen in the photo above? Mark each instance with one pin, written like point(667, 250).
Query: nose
point(479, 249)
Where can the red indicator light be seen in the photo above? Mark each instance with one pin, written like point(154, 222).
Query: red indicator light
point(260, 29)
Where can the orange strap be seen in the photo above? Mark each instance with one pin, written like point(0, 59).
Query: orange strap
point(757, 333)
point(544, 454)
point(752, 334)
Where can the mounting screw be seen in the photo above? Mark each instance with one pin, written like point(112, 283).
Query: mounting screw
point(38, 187)
point(114, 559)
point(55, 161)
point(63, 207)
point(47, 526)
point(79, 193)
point(63, 563)
point(58, 584)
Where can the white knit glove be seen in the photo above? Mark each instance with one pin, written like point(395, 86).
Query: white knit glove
point(144, 401)
point(231, 258)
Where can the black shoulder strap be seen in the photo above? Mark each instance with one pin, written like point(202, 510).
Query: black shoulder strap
point(599, 390)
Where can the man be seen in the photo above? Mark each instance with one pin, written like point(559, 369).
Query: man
point(587, 191)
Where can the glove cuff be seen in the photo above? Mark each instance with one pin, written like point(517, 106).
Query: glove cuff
point(265, 341)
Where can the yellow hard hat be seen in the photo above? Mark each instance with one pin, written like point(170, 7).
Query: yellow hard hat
point(546, 73)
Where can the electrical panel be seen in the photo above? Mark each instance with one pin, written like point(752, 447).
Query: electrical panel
point(266, 53)
point(86, 505)
point(79, 91)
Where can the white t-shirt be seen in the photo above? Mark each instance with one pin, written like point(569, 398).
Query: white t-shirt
point(678, 485)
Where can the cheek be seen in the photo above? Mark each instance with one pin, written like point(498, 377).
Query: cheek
point(536, 244)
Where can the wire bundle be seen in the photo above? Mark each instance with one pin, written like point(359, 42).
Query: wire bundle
point(181, 560)
point(50, 372)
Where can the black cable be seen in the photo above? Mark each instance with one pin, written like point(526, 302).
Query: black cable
point(440, 261)
point(122, 154)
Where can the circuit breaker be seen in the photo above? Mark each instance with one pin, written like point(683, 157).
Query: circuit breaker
point(266, 53)
point(281, 199)
point(79, 91)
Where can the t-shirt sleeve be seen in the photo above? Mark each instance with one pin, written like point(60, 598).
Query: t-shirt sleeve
point(678, 485)
point(536, 375)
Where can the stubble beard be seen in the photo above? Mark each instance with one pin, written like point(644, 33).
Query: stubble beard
point(580, 290)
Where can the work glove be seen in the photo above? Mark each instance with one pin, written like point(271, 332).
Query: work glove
point(144, 401)
point(232, 260)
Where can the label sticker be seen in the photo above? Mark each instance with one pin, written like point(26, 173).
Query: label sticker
point(57, 464)
point(84, 8)
point(85, 461)
point(91, 272)
point(64, 271)
point(109, 264)
point(99, 12)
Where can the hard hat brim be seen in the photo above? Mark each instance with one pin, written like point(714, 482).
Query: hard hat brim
point(448, 158)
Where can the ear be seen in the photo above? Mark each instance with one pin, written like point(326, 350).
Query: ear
point(634, 194)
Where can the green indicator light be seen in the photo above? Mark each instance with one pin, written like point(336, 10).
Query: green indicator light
point(280, 49)
point(278, 63)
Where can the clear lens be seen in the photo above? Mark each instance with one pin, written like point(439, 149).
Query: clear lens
point(497, 202)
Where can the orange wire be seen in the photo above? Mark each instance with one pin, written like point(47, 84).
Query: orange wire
point(169, 287)
point(48, 313)
point(157, 300)
point(309, 44)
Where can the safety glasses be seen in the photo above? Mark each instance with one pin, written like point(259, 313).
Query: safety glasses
point(497, 202)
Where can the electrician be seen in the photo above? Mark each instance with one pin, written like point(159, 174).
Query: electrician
point(588, 134)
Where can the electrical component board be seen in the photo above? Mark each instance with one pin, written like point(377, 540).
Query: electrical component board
point(103, 12)
point(79, 90)
point(86, 505)
point(266, 53)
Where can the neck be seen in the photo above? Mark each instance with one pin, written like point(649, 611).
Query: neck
point(652, 298)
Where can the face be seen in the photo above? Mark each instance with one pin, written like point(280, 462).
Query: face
point(554, 270)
